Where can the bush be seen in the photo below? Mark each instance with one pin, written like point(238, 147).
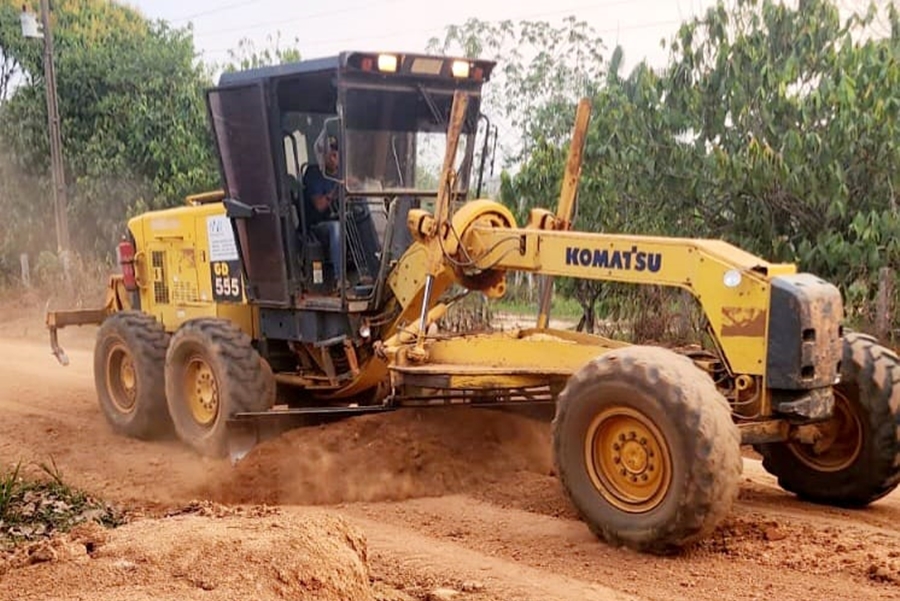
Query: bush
point(33, 508)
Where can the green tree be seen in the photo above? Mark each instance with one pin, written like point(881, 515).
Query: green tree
point(134, 128)
point(552, 67)
point(795, 115)
point(549, 66)
point(773, 127)
point(633, 175)
point(248, 56)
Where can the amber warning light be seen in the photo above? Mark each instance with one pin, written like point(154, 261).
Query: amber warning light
point(433, 66)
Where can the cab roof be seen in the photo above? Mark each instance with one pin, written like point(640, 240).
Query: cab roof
point(314, 65)
point(344, 60)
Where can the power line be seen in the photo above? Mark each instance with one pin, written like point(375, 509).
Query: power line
point(592, 6)
point(213, 11)
point(309, 17)
point(437, 29)
point(322, 42)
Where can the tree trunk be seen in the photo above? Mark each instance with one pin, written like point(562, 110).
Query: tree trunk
point(883, 303)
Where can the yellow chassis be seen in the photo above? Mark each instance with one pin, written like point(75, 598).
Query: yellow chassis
point(503, 360)
point(732, 286)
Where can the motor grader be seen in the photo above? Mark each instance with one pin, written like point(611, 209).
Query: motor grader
point(229, 317)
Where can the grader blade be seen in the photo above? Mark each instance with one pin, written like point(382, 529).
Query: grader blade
point(248, 429)
point(243, 435)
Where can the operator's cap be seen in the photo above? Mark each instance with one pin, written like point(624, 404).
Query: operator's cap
point(325, 142)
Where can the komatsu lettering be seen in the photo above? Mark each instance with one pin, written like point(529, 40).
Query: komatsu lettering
point(629, 260)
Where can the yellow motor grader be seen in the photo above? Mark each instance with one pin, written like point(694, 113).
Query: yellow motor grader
point(240, 313)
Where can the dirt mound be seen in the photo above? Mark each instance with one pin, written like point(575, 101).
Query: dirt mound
point(823, 547)
point(219, 553)
point(410, 453)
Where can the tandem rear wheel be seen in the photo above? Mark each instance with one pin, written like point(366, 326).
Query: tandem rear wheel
point(212, 372)
point(646, 449)
point(129, 359)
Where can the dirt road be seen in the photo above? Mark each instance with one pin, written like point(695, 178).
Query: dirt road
point(508, 535)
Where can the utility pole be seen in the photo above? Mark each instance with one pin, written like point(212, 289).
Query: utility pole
point(53, 121)
point(30, 30)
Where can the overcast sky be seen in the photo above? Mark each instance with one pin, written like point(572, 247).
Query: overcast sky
point(328, 27)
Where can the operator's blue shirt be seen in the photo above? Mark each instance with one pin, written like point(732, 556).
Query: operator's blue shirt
point(314, 184)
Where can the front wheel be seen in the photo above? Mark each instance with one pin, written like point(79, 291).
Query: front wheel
point(646, 449)
point(128, 374)
point(856, 459)
point(213, 372)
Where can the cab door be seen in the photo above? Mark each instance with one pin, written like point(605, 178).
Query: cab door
point(240, 122)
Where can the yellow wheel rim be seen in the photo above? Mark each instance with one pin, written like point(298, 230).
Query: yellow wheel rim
point(202, 391)
point(840, 441)
point(628, 459)
point(121, 379)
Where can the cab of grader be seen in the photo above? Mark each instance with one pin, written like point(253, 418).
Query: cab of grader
point(236, 313)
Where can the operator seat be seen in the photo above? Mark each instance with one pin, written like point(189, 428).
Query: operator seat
point(295, 193)
point(362, 240)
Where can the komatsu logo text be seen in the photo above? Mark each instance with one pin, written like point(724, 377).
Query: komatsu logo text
point(628, 260)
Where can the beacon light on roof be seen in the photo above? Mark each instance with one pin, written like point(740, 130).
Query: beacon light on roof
point(433, 67)
point(460, 69)
point(387, 63)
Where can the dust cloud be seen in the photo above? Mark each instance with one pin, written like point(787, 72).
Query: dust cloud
point(409, 453)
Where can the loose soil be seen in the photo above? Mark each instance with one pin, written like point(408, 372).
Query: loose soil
point(431, 504)
point(389, 457)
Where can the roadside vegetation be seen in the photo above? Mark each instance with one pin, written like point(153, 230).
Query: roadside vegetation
point(772, 127)
point(39, 504)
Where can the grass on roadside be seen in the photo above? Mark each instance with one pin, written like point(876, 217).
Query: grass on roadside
point(36, 507)
point(560, 307)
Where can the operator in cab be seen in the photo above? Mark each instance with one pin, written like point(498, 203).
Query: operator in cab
point(320, 199)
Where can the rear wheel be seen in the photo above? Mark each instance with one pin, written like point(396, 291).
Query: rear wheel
point(856, 459)
point(213, 372)
point(129, 356)
point(646, 449)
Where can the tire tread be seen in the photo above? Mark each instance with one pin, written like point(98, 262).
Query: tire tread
point(693, 401)
point(147, 342)
point(876, 371)
point(245, 376)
